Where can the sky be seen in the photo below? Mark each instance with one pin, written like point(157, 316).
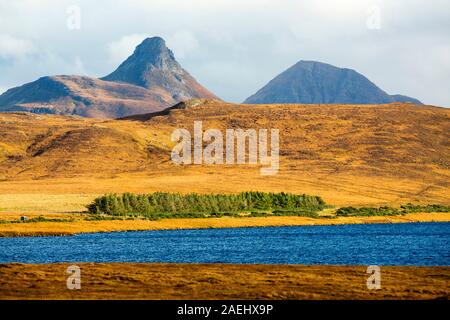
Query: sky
point(234, 47)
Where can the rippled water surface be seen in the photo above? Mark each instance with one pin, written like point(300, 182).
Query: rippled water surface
point(379, 244)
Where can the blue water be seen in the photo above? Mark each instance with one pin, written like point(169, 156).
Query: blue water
point(378, 244)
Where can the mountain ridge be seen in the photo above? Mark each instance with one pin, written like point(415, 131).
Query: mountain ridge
point(110, 96)
point(313, 82)
point(81, 95)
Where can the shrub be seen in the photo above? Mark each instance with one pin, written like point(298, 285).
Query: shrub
point(389, 211)
point(428, 208)
point(367, 211)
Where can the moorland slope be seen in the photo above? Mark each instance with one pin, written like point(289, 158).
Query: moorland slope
point(348, 154)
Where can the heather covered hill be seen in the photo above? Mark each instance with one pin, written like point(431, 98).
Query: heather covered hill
point(315, 82)
point(349, 154)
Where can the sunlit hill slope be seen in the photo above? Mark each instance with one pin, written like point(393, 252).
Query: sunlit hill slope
point(348, 154)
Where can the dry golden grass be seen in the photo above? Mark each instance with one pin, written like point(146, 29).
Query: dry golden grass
point(360, 155)
point(349, 155)
point(83, 226)
point(219, 281)
point(38, 204)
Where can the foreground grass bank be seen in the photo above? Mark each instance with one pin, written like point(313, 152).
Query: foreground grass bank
point(86, 225)
point(220, 281)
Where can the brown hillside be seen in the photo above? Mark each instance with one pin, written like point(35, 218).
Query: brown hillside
point(349, 154)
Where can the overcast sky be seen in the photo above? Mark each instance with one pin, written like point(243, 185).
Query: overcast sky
point(234, 47)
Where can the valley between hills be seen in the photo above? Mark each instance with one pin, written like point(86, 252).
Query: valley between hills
point(350, 155)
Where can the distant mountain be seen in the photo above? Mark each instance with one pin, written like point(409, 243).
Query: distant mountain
point(153, 65)
point(312, 82)
point(83, 96)
point(150, 80)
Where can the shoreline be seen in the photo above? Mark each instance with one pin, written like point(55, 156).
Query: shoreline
point(84, 226)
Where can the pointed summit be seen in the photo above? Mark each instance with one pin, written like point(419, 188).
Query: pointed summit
point(152, 65)
point(153, 51)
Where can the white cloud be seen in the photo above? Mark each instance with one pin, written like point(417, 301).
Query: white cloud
point(78, 66)
point(121, 49)
point(11, 47)
point(182, 43)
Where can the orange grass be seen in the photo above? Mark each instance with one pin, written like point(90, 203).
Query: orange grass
point(220, 281)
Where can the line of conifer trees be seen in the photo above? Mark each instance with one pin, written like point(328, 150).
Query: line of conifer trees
point(160, 202)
